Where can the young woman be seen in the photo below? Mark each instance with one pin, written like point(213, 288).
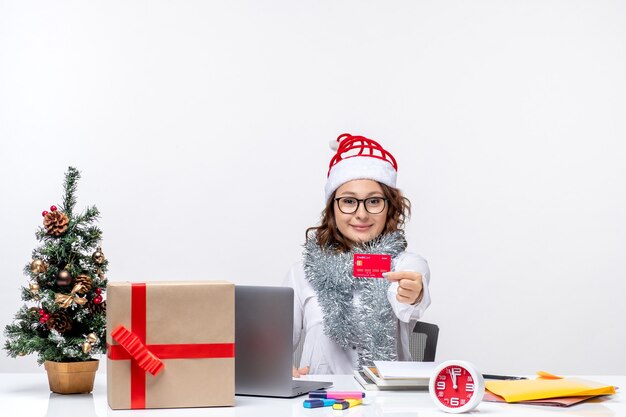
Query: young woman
point(348, 322)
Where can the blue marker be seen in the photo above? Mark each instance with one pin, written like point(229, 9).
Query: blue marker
point(318, 402)
point(337, 395)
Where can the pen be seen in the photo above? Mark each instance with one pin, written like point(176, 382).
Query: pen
point(318, 402)
point(337, 395)
point(342, 405)
point(506, 377)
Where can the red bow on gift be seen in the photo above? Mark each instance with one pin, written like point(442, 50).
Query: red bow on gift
point(137, 350)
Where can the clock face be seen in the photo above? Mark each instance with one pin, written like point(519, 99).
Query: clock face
point(457, 386)
point(454, 386)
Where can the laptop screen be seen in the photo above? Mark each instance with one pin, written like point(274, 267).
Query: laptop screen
point(263, 340)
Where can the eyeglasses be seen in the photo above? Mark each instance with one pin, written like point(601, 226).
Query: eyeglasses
point(373, 205)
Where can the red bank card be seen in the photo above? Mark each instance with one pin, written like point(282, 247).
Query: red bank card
point(367, 265)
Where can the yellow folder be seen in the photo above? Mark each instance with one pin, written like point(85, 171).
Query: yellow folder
point(546, 386)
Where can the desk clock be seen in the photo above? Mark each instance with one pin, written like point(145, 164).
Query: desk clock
point(456, 386)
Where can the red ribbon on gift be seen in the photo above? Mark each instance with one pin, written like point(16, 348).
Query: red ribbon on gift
point(148, 358)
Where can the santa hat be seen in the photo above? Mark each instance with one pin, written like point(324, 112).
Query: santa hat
point(359, 158)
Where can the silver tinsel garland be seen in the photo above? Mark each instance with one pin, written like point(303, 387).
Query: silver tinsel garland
point(370, 324)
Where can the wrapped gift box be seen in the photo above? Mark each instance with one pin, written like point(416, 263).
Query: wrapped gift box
point(170, 344)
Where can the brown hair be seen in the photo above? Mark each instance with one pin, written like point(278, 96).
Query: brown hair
point(328, 235)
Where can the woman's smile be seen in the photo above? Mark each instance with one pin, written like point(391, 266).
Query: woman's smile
point(361, 227)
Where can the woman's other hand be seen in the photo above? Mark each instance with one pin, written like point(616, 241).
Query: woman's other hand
point(409, 285)
point(297, 373)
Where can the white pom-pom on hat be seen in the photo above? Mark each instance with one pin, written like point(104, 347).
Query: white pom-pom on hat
point(334, 144)
point(358, 157)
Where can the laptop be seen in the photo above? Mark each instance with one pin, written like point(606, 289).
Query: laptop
point(264, 344)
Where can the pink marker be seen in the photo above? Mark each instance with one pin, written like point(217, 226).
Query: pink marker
point(337, 395)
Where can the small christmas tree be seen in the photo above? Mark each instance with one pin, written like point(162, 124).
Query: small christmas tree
point(67, 284)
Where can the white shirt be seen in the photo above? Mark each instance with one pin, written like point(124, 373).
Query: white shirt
point(320, 353)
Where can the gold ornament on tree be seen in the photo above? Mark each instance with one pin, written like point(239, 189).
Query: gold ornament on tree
point(55, 223)
point(98, 256)
point(34, 290)
point(38, 266)
point(91, 339)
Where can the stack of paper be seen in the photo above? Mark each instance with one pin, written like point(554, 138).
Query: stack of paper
point(547, 389)
point(396, 375)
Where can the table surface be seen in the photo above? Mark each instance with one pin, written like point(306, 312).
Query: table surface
point(29, 395)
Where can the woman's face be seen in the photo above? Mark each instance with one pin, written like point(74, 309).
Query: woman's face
point(360, 226)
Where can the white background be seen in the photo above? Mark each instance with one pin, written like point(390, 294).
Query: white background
point(201, 131)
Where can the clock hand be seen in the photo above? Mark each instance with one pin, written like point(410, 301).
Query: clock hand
point(453, 374)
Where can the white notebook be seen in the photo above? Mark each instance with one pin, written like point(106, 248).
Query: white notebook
point(405, 369)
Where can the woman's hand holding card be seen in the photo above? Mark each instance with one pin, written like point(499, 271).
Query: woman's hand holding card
point(409, 285)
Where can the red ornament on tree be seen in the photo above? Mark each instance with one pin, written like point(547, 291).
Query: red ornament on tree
point(53, 208)
point(97, 300)
point(98, 291)
point(43, 213)
point(43, 316)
